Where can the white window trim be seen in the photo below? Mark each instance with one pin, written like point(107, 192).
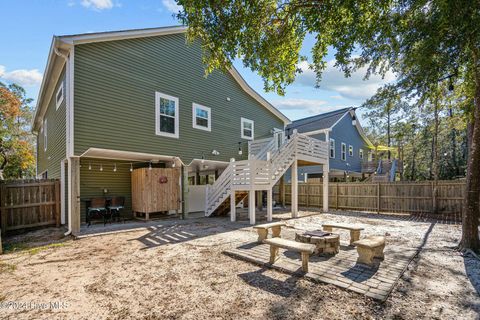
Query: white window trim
point(360, 153)
point(330, 148)
point(343, 152)
point(196, 106)
point(159, 95)
point(350, 150)
point(45, 135)
point(253, 128)
point(58, 103)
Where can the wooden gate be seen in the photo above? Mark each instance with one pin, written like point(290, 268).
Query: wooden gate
point(29, 203)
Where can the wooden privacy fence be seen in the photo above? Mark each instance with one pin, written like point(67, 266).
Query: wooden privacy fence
point(408, 197)
point(28, 204)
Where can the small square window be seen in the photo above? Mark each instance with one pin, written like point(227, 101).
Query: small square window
point(247, 129)
point(201, 117)
point(166, 110)
point(59, 95)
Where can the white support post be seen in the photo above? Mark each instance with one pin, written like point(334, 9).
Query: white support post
point(251, 206)
point(294, 189)
point(207, 189)
point(326, 169)
point(233, 205)
point(269, 205)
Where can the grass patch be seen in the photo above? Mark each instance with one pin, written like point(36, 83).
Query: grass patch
point(25, 248)
point(7, 267)
point(36, 250)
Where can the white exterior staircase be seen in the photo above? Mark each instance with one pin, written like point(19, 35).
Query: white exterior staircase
point(269, 159)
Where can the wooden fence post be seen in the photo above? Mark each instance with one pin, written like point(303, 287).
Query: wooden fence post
point(336, 197)
point(378, 197)
point(3, 197)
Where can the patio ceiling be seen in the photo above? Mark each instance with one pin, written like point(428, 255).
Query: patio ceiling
point(201, 165)
point(127, 155)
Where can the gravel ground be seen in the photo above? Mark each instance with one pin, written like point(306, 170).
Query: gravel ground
point(176, 270)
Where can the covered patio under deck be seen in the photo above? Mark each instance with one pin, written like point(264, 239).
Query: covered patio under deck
point(105, 173)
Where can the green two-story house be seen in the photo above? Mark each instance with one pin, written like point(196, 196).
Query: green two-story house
point(113, 102)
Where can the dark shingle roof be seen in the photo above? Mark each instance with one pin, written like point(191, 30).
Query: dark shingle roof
point(318, 122)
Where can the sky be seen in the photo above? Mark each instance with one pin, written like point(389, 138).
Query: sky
point(24, 47)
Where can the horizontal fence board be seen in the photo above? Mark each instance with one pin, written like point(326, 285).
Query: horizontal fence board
point(404, 196)
point(29, 204)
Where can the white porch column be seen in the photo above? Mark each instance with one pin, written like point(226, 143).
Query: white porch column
point(251, 206)
point(74, 195)
point(326, 169)
point(294, 189)
point(269, 205)
point(232, 206)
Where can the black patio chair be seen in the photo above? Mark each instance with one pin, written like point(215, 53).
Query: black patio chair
point(97, 206)
point(115, 206)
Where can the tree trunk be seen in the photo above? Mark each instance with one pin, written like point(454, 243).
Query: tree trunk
point(435, 153)
point(471, 212)
point(388, 132)
point(454, 145)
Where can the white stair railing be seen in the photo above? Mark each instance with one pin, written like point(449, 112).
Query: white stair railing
point(260, 174)
point(219, 190)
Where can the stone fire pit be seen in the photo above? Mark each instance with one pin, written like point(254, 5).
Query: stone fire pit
point(324, 241)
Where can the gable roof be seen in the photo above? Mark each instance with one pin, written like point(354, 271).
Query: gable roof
point(61, 45)
point(326, 122)
point(318, 122)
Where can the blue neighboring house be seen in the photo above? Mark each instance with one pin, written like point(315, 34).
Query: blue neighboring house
point(349, 146)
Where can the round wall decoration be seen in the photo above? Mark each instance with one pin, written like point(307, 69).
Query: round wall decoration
point(163, 179)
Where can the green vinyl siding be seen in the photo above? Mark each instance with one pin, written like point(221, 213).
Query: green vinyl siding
point(93, 181)
point(115, 85)
point(50, 159)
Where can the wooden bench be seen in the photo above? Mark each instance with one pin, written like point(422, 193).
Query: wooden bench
point(369, 248)
point(305, 249)
point(354, 231)
point(262, 230)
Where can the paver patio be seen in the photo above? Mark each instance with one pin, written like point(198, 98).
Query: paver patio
point(340, 270)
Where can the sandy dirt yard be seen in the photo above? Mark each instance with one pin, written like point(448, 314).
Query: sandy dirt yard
point(175, 269)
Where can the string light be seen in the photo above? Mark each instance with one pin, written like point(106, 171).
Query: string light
point(173, 164)
point(131, 167)
point(203, 158)
point(101, 167)
point(89, 166)
point(114, 167)
point(150, 165)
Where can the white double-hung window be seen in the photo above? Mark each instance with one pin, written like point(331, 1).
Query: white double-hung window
point(202, 117)
point(332, 148)
point(166, 115)
point(344, 151)
point(350, 150)
point(247, 128)
point(59, 95)
point(45, 135)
